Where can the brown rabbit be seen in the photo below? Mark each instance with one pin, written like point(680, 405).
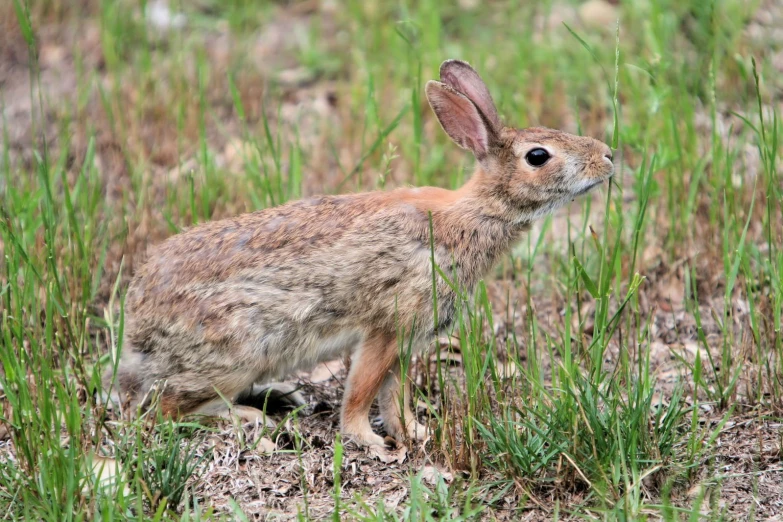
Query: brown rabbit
point(253, 298)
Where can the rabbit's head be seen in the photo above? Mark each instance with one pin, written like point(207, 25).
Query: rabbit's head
point(529, 172)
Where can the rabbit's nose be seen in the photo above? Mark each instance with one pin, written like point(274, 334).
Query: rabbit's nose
point(608, 153)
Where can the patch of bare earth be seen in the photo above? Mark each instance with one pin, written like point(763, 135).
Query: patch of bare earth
point(746, 474)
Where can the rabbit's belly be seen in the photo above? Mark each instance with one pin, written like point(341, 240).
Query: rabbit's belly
point(306, 349)
point(326, 348)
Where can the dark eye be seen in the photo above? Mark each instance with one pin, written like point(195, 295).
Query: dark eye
point(537, 157)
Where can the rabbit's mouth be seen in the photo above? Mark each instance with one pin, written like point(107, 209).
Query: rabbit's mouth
point(587, 188)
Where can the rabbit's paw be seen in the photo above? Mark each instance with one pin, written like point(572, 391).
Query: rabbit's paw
point(363, 437)
point(389, 452)
point(414, 430)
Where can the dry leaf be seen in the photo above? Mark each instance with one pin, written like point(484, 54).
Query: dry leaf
point(392, 500)
point(508, 370)
point(266, 446)
point(431, 474)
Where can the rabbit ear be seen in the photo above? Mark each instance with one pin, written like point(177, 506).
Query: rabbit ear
point(463, 78)
point(460, 118)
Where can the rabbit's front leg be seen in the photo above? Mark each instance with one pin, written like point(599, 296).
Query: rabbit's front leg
point(394, 403)
point(369, 367)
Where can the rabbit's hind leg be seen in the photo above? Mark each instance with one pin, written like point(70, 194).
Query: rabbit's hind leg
point(196, 393)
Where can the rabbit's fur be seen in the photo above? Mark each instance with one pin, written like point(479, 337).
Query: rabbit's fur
point(256, 297)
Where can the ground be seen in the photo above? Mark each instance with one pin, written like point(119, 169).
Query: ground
point(124, 122)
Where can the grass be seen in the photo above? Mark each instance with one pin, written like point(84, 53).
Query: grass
point(118, 133)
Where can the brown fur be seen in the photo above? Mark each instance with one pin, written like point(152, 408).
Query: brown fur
point(256, 297)
point(375, 361)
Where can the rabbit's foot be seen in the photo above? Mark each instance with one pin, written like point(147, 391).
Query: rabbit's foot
point(245, 414)
point(361, 433)
point(273, 397)
point(413, 428)
point(387, 454)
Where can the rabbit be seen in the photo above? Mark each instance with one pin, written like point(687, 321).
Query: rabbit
point(253, 298)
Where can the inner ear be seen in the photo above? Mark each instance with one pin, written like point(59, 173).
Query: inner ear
point(463, 78)
point(460, 118)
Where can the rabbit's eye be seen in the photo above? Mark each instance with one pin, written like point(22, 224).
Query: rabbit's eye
point(537, 157)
